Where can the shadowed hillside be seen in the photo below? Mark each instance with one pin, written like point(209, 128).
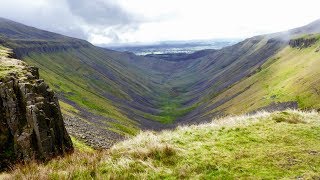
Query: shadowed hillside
point(290, 55)
point(113, 94)
point(291, 75)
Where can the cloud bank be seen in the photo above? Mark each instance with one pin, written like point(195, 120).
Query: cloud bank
point(122, 21)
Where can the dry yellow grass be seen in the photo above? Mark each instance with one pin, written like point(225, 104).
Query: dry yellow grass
point(262, 146)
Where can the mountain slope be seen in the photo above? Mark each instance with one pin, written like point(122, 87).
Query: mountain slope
point(215, 101)
point(103, 87)
point(264, 146)
point(112, 94)
point(31, 124)
point(292, 75)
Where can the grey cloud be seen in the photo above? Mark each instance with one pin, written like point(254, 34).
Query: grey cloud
point(51, 15)
point(73, 31)
point(76, 18)
point(101, 12)
point(105, 17)
point(114, 36)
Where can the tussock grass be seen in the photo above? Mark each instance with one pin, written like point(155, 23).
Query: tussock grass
point(261, 146)
point(288, 117)
point(5, 52)
point(12, 66)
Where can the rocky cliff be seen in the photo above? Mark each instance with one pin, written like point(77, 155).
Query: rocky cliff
point(31, 124)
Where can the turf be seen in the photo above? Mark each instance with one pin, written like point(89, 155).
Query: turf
point(262, 146)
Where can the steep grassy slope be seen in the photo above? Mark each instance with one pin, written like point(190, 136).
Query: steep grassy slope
point(293, 74)
point(103, 87)
point(222, 68)
point(106, 89)
point(113, 94)
point(242, 61)
point(262, 146)
point(142, 88)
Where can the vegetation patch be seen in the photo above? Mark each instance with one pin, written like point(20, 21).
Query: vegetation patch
point(245, 147)
point(67, 108)
point(72, 83)
point(287, 117)
point(171, 109)
point(291, 75)
point(5, 52)
point(81, 146)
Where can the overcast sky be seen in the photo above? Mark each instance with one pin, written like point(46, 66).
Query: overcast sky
point(122, 21)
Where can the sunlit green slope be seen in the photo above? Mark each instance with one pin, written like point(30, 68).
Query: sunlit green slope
point(122, 92)
point(293, 74)
point(264, 146)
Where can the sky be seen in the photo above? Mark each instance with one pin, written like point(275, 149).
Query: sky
point(145, 21)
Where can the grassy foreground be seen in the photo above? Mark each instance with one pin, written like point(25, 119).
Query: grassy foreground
point(265, 145)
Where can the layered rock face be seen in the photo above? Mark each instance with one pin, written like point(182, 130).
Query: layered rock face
point(31, 124)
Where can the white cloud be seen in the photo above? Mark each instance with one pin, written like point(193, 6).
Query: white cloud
point(107, 21)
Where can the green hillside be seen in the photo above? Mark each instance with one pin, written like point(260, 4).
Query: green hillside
point(116, 94)
point(290, 75)
point(108, 96)
point(262, 146)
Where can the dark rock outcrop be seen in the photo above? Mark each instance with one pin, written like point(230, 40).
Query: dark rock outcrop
point(31, 124)
point(302, 42)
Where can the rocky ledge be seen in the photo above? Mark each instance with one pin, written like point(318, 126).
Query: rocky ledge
point(31, 124)
point(302, 42)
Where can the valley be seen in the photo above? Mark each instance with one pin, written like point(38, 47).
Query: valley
point(172, 47)
point(248, 110)
point(120, 93)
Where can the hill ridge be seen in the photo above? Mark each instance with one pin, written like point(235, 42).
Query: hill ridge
point(121, 93)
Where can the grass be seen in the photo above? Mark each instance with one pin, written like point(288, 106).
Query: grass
point(13, 66)
point(81, 146)
point(171, 108)
point(76, 81)
point(262, 146)
point(74, 75)
point(308, 36)
point(67, 108)
point(291, 75)
point(4, 52)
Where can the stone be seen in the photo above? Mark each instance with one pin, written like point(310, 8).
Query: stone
point(31, 123)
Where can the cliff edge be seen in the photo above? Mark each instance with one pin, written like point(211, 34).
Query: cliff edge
point(31, 124)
